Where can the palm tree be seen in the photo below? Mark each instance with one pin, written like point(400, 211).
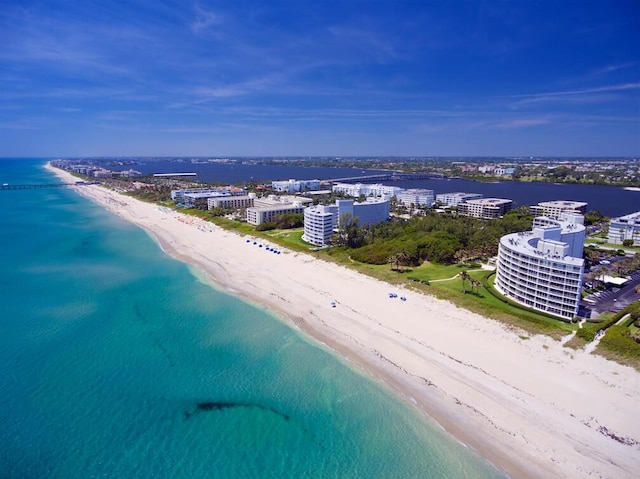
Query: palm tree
point(402, 258)
point(476, 283)
point(393, 259)
point(464, 276)
point(599, 273)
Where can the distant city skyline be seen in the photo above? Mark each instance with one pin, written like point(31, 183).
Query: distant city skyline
point(356, 78)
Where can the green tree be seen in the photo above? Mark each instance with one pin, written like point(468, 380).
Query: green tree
point(441, 247)
point(349, 233)
point(289, 220)
point(594, 217)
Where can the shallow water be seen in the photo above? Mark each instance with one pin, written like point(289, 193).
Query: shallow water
point(118, 361)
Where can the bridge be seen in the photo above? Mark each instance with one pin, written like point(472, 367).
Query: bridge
point(37, 186)
point(393, 176)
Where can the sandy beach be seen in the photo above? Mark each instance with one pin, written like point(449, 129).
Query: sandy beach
point(531, 407)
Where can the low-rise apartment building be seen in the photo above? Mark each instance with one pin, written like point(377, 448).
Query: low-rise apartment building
point(231, 202)
point(487, 208)
point(265, 209)
point(295, 186)
point(554, 209)
point(189, 197)
point(416, 197)
point(625, 227)
point(453, 199)
point(359, 189)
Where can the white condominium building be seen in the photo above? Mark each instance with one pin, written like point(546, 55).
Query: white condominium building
point(371, 211)
point(453, 199)
point(554, 209)
point(485, 207)
point(543, 268)
point(266, 209)
point(320, 221)
point(625, 227)
point(416, 197)
point(294, 186)
point(358, 189)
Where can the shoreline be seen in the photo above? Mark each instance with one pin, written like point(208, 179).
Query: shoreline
point(530, 407)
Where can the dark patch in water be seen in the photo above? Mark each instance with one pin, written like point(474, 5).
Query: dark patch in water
point(210, 406)
point(156, 341)
point(83, 247)
point(207, 406)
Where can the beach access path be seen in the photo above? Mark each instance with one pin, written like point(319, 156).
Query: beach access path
point(530, 406)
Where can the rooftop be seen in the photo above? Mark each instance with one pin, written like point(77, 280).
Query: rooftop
point(459, 194)
point(526, 243)
point(489, 201)
point(562, 204)
point(630, 217)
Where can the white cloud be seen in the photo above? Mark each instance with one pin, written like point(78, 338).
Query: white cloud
point(587, 95)
point(204, 19)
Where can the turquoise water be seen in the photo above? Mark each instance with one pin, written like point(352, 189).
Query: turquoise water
point(118, 362)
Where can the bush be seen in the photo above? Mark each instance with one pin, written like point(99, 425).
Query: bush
point(266, 226)
point(588, 332)
point(618, 340)
point(627, 243)
point(373, 254)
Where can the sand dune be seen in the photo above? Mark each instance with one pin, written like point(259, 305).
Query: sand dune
point(532, 407)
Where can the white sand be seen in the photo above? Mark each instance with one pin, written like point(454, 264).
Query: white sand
point(532, 407)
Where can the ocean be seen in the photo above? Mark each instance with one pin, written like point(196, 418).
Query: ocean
point(119, 361)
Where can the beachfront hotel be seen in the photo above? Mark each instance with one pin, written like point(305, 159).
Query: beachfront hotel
point(320, 221)
point(554, 209)
point(189, 197)
point(231, 202)
point(295, 186)
point(265, 209)
point(543, 268)
point(453, 199)
point(487, 208)
point(625, 227)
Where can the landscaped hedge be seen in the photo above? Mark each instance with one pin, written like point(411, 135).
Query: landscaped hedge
point(589, 332)
point(489, 287)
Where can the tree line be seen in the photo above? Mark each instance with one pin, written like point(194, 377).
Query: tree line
point(433, 237)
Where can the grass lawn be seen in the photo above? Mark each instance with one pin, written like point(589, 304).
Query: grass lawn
point(480, 301)
point(436, 277)
point(289, 238)
point(484, 303)
point(426, 272)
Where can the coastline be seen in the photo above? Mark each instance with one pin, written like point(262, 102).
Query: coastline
point(529, 406)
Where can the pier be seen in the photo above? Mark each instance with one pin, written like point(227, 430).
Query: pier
point(162, 175)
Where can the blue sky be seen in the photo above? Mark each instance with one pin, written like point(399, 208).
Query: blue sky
point(272, 78)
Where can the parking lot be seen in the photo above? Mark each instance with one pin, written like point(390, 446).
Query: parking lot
point(613, 298)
